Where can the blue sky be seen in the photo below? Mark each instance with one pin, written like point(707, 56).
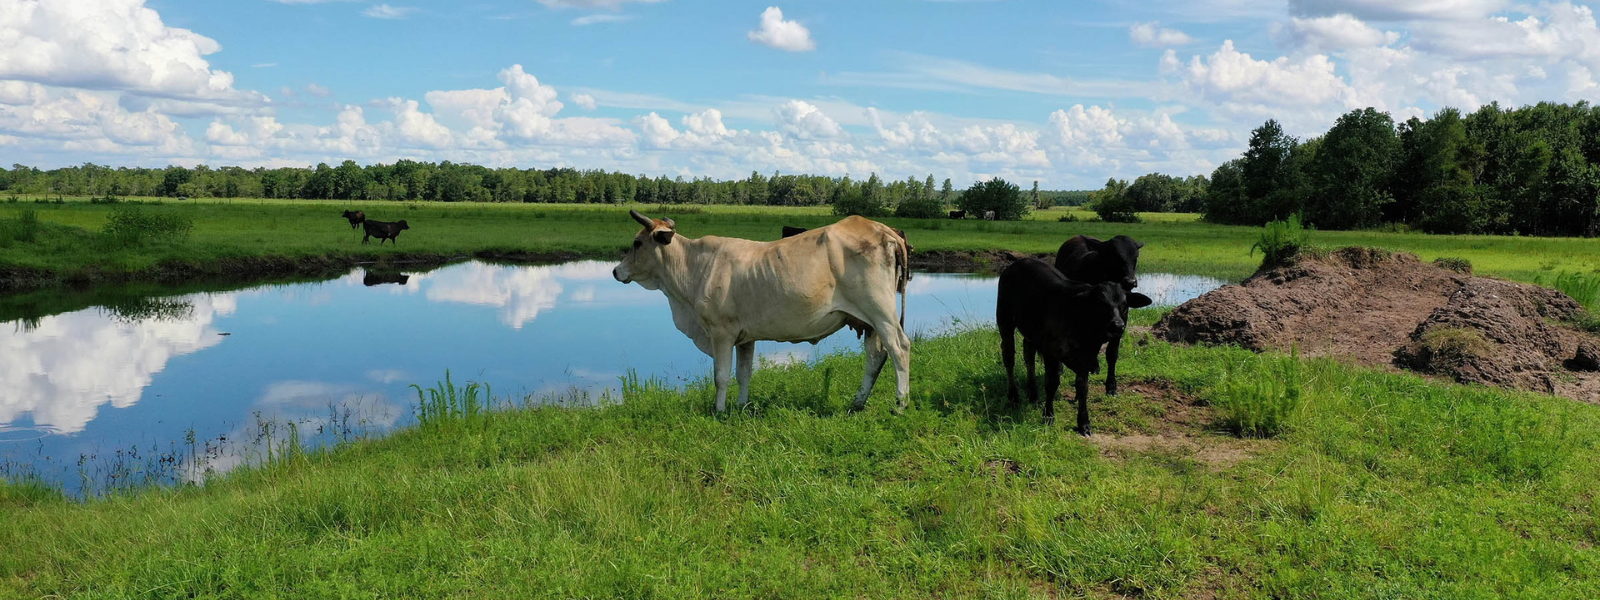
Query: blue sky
point(1067, 93)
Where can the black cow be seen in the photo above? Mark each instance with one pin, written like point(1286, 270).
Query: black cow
point(1065, 321)
point(384, 231)
point(1090, 260)
point(371, 279)
point(355, 217)
point(793, 231)
point(958, 214)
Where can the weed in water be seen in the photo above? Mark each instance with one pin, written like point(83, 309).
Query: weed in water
point(446, 403)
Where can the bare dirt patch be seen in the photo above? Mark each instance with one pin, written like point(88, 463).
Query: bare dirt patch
point(1179, 427)
point(1385, 308)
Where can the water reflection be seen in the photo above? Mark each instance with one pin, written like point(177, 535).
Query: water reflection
point(338, 357)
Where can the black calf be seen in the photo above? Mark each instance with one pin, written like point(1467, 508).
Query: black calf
point(1090, 260)
point(1065, 321)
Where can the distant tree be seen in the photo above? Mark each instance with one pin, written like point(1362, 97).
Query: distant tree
point(1351, 175)
point(922, 204)
point(865, 200)
point(1113, 203)
point(174, 177)
point(998, 195)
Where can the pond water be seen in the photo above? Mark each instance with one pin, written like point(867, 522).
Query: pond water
point(94, 396)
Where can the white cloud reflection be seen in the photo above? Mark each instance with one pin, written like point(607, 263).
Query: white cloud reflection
point(521, 293)
point(61, 371)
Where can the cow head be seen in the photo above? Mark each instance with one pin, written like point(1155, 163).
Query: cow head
point(403, 225)
point(642, 262)
point(1105, 306)
point(348, 214)
point(1120, 255)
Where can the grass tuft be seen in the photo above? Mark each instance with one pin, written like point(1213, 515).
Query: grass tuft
point(1281, 241)
point(1258, 397)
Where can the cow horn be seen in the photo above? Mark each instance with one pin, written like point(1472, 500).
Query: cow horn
point(643, 220)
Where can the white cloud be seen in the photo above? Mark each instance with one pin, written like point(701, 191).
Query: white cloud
point(117, 45)
point(803, 120)
point(1338, 32)
point(1392, 10)
point(318, 90)
point(266, 65)
point(385, 11)
point(1241, 84)
point(1154, 35)
point(789, 36)
point(584, 101)
point(601, 18)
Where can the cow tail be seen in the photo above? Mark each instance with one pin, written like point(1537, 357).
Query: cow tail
point(903, 271)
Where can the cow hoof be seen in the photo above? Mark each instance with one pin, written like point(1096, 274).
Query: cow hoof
point(1084, 431)
point(1111, 391)
point(855, 408)
point(1049, 419)
point(899, 410)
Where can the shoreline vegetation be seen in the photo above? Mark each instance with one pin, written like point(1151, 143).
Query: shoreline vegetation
point(243, 241)
point(1217, 473)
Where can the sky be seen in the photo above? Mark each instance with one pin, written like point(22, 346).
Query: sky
point(1064, 93)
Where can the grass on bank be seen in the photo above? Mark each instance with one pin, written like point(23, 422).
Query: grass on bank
point(224, 229)
point(1372, 484)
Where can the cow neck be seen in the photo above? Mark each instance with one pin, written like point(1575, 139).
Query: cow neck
point(683, 274)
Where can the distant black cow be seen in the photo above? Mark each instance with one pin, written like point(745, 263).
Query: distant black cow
point(793, 231)
point(958, 214)
point(384, 231)
point(371, 279)
point(355, 217)
point(1065, 321)
point(1090, 260)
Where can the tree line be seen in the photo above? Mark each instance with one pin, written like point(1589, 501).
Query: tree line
point(410, 180)
point(1533, 170)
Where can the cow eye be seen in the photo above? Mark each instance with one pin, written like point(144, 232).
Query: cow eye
point(637, 244)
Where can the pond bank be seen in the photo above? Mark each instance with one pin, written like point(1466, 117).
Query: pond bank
point(965, 496)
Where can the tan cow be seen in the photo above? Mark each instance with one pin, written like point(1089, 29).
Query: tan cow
point(729, 293)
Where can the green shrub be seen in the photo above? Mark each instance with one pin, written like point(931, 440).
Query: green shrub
point(1114, 207)
point(998, 195)
point(24, 228)
point(132, 226)
point(921, 207)
point(107, 199)
point(1281, 241)
point(1459, 265)
point(1068, 218)
point(12, 199)
point(1258, 397)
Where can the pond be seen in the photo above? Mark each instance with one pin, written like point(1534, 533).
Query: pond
point(115, 395)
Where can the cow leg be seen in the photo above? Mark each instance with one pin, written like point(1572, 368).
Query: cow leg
point(747, 365)
point(900, 352)
point(873, 347)
point(1008, 357)
point(721, 371)
point(1027, 359)
point(1112, 349)
point(1081, 390)
point(1052, 387)
point(366, 237)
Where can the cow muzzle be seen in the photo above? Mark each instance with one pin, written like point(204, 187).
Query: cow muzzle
point(621, 274)
point(1129, 283)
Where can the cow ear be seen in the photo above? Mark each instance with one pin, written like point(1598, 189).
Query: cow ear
point(663, 236)
point(669, 223)
point(1138, 244)
point(1138, 300)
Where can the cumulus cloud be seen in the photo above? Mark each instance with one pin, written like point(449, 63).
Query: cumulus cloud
point(521, 293)
point(805, 121)
point(789, 36)
point(1154, 35)
point(117, 45)
point(584, 101)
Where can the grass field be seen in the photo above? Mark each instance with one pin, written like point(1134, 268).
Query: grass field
point(68, 246)
point(1374, 485)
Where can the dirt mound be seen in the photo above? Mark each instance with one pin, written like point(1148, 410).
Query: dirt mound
point(1390, 308)
point(1178, 429)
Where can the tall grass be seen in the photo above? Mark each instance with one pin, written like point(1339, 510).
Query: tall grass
point(1259, 396)
point(447, 403)
point(133, 226)
point(1583, 287)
